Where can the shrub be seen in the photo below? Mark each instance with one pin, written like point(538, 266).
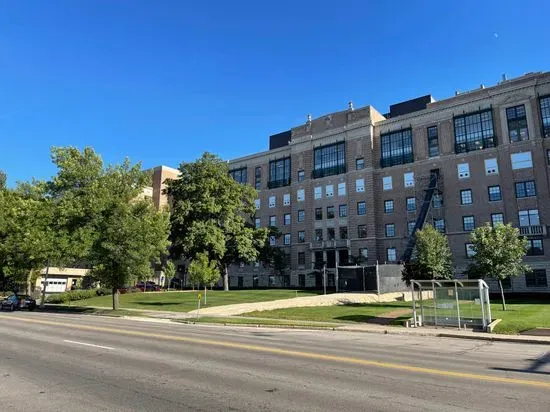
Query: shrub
point(76, 295)
point(103, 291)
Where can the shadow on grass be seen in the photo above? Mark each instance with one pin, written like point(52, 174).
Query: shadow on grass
point(392, 306)
point(356, 318)
point(79, 310)
point(137, 302)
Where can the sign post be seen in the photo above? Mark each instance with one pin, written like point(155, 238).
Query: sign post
point(198, 305)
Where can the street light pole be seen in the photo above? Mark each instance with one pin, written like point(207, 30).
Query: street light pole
point(325, 279)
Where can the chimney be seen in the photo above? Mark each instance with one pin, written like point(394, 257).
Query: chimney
point(350, 105)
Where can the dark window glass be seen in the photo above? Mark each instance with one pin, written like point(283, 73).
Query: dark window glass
point(301, 236)
point(301, 258)
point(535, 247)
point(301, 175)
point(517, 123)
point(388, 206)
point(319, 213)
point(433, 142)
point(410, 227)
point(494, 193)
point(287, 239)
point(301, 215)
point(506, 283)
point(329, 160)
point(474, 131)
point(497, 218)
point(361, 208)
point(359, 164)
point(526, 189)
point(318, 235)
point(279, 173)
point(343, 210)
point(466, 197)
point(330, 233)
point(258, 178)
point(437, 201)
point(468, 223)
point(362, 231)
point(330, 212)
point(536, 278)
point(411, 204)
point(390, 230)
point(397, 148)
point(545, 115)
point(343, 232)
point(239, 175)
point(439, 225)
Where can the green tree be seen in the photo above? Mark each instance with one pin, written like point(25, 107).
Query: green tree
point(499, 253)
point(432, 259)
point(169, 271)
point(211, 213)
point(203, 272)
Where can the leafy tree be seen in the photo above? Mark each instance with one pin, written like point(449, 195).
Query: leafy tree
point(211, 214)
point(202, 271)
point(3, 179)
point(272, 256)
point(169, 271)
point(432, 259)
point(499, 253)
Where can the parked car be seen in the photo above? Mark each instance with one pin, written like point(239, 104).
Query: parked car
point(18, 302)
point(148, 287)
point(129, 289)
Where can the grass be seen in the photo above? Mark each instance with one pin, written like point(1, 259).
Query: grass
point(187, 301)
point(521, 315)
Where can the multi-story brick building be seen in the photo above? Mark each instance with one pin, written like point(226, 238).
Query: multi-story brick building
point(356, 182)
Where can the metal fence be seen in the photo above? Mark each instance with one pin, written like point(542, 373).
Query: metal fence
point(458, 303)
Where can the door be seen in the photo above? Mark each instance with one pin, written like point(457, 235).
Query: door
point(240, 282)
point(56, 285)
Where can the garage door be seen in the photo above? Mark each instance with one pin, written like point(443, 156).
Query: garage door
point(56, 285)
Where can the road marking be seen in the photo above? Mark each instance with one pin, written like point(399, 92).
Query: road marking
point(293, 353)
point(88, 344)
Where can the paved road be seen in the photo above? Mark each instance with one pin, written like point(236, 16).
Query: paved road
point(87, 363)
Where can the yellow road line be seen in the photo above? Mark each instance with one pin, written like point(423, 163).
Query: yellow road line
point(292, 353)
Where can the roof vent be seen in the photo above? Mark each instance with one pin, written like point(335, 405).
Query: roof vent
point(350, 105)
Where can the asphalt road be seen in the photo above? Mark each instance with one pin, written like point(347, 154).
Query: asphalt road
point(87, 363)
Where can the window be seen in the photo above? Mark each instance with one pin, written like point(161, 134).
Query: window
point(330, 212)
point(390, 230)
point(391, 254)
point(466, 197)
point(397, 148)
point(301, 175)
point(341, 189)
point(272, 240)
point(411, 204)
point(494, 193)
point(463, 170)
point(301, 236)
point(529, 217)
point(318, 213)
point(359, 164)
point(439, 225)
point(318, 192)
point(408, 179)
point(273, 221)
point(362, 231)
point(387, 183)
point(548, 156)
point(329, 190)
point(343, 210)
point(287, 218)
point(364, 253)
point(474, 131)
point(521, 160)
point(286, 239)
point(343, 232)
point(470, 252)
point(318, 235)
point(497, 218)
point(437, 201)
point(329, 160)
point(257, 223)
point(545, 115)
point(536, 278)
point(279, 173)
point(491, 167)
point(257, 203)
point(361, 208)
point(517, 123)
point(468, 223)
point(526, 189)
point(301, 215)
point(388, 206)
point(330, 233)
point(433, 142)
point(272, 201)
point(506, 283)
point(286, 199)
point(360, 185)
point(300, 195)
point(410, 227)
point(239, 175)
point(535, 247)
point(258, 178)
point(301, 258)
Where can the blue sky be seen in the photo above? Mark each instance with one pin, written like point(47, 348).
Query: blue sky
point(162, 81)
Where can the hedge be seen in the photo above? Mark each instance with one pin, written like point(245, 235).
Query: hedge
point(77, 295)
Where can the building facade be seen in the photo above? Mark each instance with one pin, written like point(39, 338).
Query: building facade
point(357, 183)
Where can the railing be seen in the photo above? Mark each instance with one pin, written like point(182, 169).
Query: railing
point(317, 244)
point(478, 144)
point(328, 171)
point(272, 184)
point(536, 230)
point(337, 243)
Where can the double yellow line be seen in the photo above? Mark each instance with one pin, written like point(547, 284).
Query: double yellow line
point(291, 353)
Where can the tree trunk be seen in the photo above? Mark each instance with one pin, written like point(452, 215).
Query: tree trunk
point(204, 295)
point(226, 278)
point(116, 294)
point(502, 295)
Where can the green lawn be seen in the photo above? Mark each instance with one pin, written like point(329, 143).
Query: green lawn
point(521, 315)
point(187, 301)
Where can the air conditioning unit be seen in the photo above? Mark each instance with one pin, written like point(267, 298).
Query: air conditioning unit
point(491, 171)
point(463, 175)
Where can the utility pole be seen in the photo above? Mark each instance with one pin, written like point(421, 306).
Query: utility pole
point(325, 279)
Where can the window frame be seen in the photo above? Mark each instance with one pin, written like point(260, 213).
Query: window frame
point(361, 207)
point(301, 236)
point(331, 211)
point(329, 160)
point(472, 132)
point(279, 172)
point(301, 258)
point(343, 207)
point(531, 249)
point(491, 195)
point(407, 204)
point(437, 226)
point(286, 239)
point(301, 175)
point(521, 164)
point(493, 223)
point(387, 182)
point(523, 186)
point(533, 279)
point(529, 213)
point(396, 148)
point(388, 210)
point(360, 163)
point(286, 219)
point(318, 213)
point(389, 229)
point(360, 185)
point(341, 230)
point(464, 223)
point(408, 179)
point(302, 214)
point(394, 252)
point(342, 189)
point(464, 199)
point(361, 231)
point(258, 177)
point(544, 112)
point(433, 141)
point(516, 123)
point(242, 173)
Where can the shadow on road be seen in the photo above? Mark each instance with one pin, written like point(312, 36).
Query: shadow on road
point(535, 367)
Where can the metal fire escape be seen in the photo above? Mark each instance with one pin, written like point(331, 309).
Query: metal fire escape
point(433, 188)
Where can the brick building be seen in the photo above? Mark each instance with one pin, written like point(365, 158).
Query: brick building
point(358, 182)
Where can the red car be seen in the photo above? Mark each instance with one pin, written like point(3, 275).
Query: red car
point(148, 287)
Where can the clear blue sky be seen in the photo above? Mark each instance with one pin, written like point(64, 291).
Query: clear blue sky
point(162, 81)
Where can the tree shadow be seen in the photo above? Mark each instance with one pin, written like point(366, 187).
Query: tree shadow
point(355, 318)
point(169, 303)
point(66, 309)
point(535, 367)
